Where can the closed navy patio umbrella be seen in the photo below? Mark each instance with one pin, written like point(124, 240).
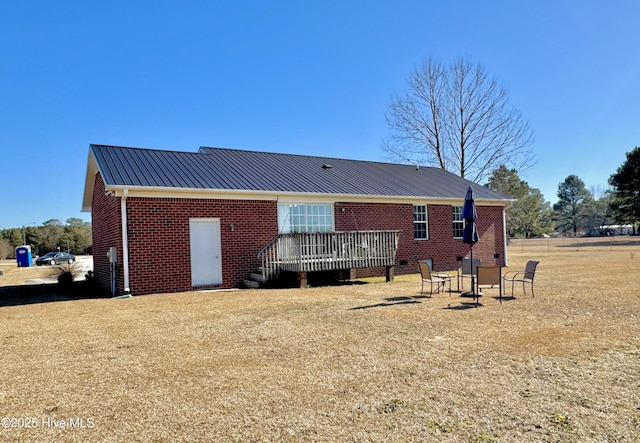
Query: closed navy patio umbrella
point(470, 234)
point(469, 214)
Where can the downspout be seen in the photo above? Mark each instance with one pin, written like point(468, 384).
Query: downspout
point(125, 240)
point(504, 234)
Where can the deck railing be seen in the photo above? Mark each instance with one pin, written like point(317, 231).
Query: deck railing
point(325, 251)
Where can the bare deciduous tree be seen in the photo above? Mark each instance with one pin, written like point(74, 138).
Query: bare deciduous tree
point(457, 118)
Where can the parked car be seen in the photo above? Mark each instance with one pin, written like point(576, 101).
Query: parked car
point(55, 258)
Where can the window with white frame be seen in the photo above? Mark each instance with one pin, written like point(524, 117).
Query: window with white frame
point(458, 222)
point(420, 222)
point(296, 217)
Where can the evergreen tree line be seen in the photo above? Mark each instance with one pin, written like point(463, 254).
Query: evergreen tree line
point(52, 235)
point(578, 211)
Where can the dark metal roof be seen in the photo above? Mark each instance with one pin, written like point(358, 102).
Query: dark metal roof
point(232, 169)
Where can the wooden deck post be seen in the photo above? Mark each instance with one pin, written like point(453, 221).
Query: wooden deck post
point(389, 273)
point(302, 279)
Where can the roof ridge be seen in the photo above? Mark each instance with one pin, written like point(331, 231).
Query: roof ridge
point(137, 148)
point(250, 151)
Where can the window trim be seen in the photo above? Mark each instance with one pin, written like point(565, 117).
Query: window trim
point(424, 222)
point(457, 221)
point(285, 209)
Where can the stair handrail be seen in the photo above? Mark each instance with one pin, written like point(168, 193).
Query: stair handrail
point(269, 267)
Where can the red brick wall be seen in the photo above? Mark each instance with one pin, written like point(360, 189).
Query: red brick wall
point(158, 235)
point(441, 247)
point(159, 251)
point(105, 222)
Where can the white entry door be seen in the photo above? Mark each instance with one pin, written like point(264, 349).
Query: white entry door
point(206, 263)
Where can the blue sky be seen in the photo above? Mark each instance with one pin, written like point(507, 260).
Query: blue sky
point(298, 77)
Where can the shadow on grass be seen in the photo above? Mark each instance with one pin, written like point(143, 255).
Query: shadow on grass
point(504, 298)
point(393, 301)
point(463, 306)
point(46, 293)
point(454, 305)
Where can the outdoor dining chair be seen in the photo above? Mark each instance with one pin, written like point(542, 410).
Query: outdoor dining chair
point(489, 277)
point(440, 280)
point(523, 277)
point(468, 270)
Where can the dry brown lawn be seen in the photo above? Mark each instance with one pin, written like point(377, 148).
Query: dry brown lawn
point(360, 363)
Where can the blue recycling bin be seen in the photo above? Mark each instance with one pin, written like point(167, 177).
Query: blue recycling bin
point(23, 256)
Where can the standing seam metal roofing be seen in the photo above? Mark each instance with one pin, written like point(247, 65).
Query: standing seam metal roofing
point(231, 169)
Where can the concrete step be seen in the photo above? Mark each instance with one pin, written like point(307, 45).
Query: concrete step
point(251, 284)
point(258, 277)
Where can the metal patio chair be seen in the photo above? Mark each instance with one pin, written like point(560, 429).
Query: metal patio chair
point(440, 280)
point(489, 277)
point(523, 277)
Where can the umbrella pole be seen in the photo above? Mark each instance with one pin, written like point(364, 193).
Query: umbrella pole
point(475, 292)
point(473, 280)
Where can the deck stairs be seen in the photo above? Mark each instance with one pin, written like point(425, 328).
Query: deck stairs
point(256, 280)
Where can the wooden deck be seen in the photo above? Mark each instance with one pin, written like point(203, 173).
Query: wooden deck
point(325, 251)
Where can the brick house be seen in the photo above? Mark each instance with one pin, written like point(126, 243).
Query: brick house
point(168, 221)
